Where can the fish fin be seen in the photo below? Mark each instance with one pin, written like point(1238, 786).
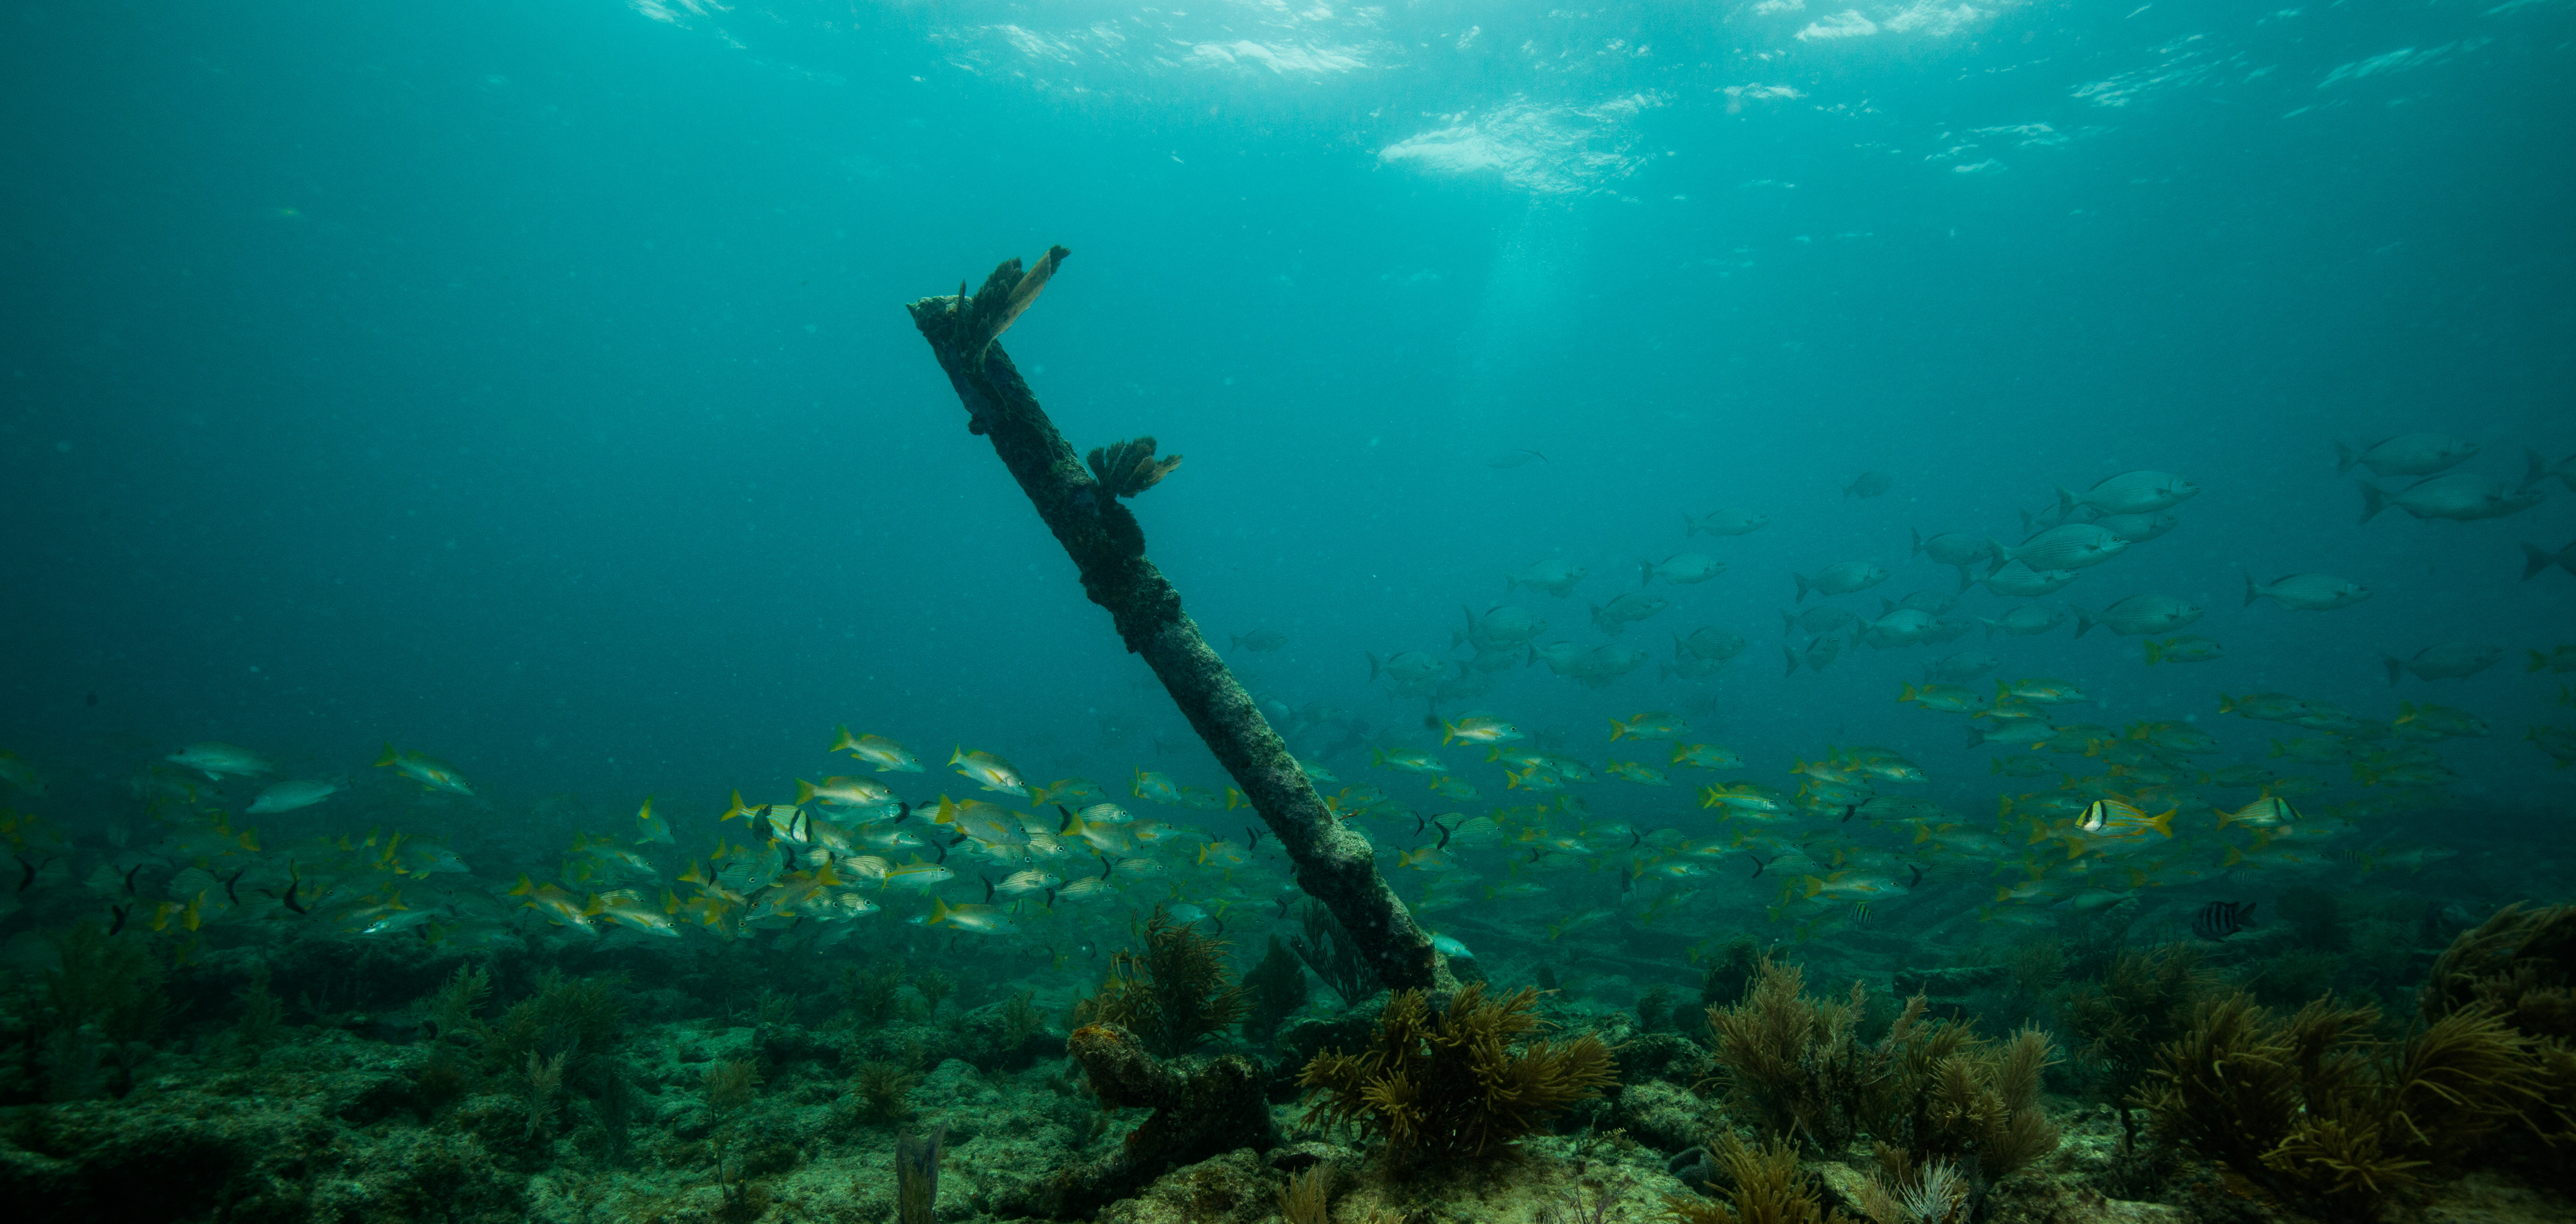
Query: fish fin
point(2252, 593)
point(1802, 586)
point(842, 740)
point(2344, 458)
point(1792, 656)
point(2534, 562)
point(387, 757)
point(2084, 621)
point(2373, 500)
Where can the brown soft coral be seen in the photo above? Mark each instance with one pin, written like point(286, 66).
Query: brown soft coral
point(1459, 1083)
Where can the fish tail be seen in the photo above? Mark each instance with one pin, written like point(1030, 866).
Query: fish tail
point(2065, 503)
point(2534, 561)
point(842, 740)
point(2252, 592)
point(2003, 556)
point(1802, 586)
point(2084, 621)
point(2153, 651)
point(1792, 656)
point(2344, 458)
point(2373, 500)
point(387, 756)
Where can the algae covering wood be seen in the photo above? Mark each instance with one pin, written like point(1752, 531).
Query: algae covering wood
point(1334, 864)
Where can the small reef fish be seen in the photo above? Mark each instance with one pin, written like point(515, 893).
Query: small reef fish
point(288, 796)
point(1946, 698)
point(981, 919)
point(218, 760)
point(882, 754)
point(1410, 762)
point(1259, 640)
point(1840, 578)
point(990, 772)
point(844, 792)
point(2268, 812)
point(1478, 729)
point(1868, 485)
point(430, 772)
point(2189, 648)
point(2027, 620)
point(1733, 521)
point(1655, 724)
point(917, 875)
point(1705, 756)
point(2220, 919)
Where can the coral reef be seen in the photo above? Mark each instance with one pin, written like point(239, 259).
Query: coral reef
point(2519, 964)
point(1457, 1084)
point(1762, 1185)
point(1176, 994)
point(2314, 1111)
point(1201, 1109)
point(1929, 1092)
point(2141, 1003)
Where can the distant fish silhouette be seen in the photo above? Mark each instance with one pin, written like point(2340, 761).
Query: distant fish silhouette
point(2220, 919)
point(1512, 458)
point(1870, 484)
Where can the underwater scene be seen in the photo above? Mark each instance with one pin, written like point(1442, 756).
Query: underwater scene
point(857, 611)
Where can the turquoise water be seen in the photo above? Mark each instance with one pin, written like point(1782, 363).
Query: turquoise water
point(527, 386)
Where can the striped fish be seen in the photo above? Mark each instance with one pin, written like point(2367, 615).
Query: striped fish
point(2220, 919)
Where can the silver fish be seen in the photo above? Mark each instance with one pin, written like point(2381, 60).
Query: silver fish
point(2138, 528)
point(2459, 496)
point(2448, 661)
point(1681, 568)
point(1732, 521)
point(1709, 642)
point(1614, 616)
point(2129, 493)
point(2415, 454)
point(1868, 485)
point(1840, 578)
point(1819, 654)
point(2022, 580)
point(1966, 665)
point(1556, 576)
point(1957, 549)
point(2307, 592)
point(2140, 614)
point(1901, 627)
point(2071, 546)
